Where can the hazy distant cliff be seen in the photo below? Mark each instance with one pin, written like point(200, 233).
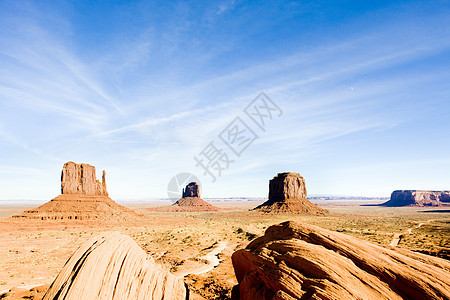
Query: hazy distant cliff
point(419, 198)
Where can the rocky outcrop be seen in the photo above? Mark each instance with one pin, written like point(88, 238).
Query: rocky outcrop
point(113, 266)
point(22, 293)
point(418, 198)
point(191, 190)
point(83, 198)
point(299, 261)
point(191, 201)
point(81, 179)
point(192, 204)
point(287, 194)
point(286, 186)
point(82, 207)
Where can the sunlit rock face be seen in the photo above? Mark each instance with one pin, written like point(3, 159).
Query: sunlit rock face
point(300, 261)
point(81, 179)
point(287, 194)
point(418, 198)
point(113, 266)
point(83, 197)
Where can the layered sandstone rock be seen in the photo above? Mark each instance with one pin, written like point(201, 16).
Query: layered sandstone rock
point(299, 261)
point(81, 179)
point(418, 198)
point(113, 266)
point(287, 194)
point(83, 198)
point(81, 207)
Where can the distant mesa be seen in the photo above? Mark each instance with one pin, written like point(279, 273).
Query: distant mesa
point(113, 266)
point(82, 197)
point(418, 198)
point(287, 194)
point(191, 200)
point(300, 261)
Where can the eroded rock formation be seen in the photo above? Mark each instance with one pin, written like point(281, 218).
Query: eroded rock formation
point(299, 261)
point(81, 179)
point(418, 198)
point(193, 204)
point(191, 201)
point(113, 266)
point(191, 190)
point(83, 198)
point(287, 193)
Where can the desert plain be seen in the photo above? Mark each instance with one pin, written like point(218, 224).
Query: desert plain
point(34, 251)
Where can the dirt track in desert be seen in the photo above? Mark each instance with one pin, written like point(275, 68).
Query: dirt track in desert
point(189, 244)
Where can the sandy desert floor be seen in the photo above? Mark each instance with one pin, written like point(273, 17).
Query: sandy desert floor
point(32, 251)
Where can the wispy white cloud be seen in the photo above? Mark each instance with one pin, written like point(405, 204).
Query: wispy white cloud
point(226, 6)
point(155, 98)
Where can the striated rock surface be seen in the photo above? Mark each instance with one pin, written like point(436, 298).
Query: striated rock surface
point(287, 193)
point(299, 261)
point(81, 179)
point(418, 198)
point(113, 266)
point(83, 198)
point(191, 190)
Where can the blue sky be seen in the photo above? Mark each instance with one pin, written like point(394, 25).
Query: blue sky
point(141, 87)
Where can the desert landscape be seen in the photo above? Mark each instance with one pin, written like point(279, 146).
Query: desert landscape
point(201, 248)
point(224, 149)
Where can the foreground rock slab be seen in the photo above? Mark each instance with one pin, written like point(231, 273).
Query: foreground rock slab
point(287, 194)
point(418, 198)
point(299, 261)
point(113, 266)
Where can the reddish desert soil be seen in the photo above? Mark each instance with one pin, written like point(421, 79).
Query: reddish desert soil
point(34, 251)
